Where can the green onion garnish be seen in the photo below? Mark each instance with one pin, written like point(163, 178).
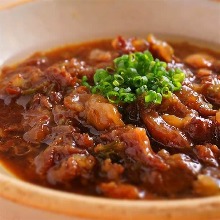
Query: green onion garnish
point(136, 74)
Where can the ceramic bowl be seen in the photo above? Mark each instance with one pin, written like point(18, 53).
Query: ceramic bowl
point(42, 25)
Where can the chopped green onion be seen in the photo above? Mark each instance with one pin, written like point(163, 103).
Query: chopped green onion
point(136, 74)
point(137, 81)
point(127, 97)
point(165, 92)
point(177, 86)
point(96, 89)
point(113, 97)
point(151, 96)
point(118, 80)
point(179, 77)
point(84, 82)
point(106, 87)
point(100, 75)
point(158, 99)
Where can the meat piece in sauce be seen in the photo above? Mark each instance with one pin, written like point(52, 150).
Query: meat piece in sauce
point(60, 76)
point(36, 120)
point(112, 171)
point(76, 165)
point(160, 48)
point(25, 80)
point(137, 145)
point(208, 154)
point(118, 190)
point(76, 141)
point(195, 101)
point(166, 182)
point(164, 133)
point(101, 114)
point(129, 45)
point(200, 130)
point(65, 158)
point(78, 68)
point(200, 60)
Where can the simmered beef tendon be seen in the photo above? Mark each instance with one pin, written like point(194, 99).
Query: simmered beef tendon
point(195, 101)
point(36, 120)
point(25, 80)
point(59, 76)
point(208, 154)
point(78, 68)
point(164, 133)
point(161, 49)
point(65, 157)
point(178, 179)
point(119, 191)
point(76, 165)
point(173, 106)
point(75, 101)
point(200, 130)
point(209, 85)
point(136, 145)
point(56, 131)
point(125, 46)
point(101, 114)
point(200, 60)
point(212, 93)
point(111, 171)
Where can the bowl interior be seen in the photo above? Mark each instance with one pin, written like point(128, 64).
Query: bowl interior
point(42, 25)
point(45, 24)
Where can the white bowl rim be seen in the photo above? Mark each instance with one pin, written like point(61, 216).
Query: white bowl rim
point(61, 202)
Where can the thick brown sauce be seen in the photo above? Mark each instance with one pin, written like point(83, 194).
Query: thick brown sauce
point(137, 180)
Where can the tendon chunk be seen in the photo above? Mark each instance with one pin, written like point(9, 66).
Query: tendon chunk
point(59, 75)
point(102, 115)
point(209, 85)
point(165, 182)
point(77, 99)
point(77, 165)
point(176, 121)
point(78, 68)
point(62, 142)
point(36, 120)
point(160, 48)
point(195, 101)
point(129, 45)
point(53, 155)
point(208, 154)
point(200, 60)
point(174, 106)
point(200, 129)
point(163, 132)
point(119, 190)
point(212, 93)
point(112, 171)
point(137, 145)
point(25, 80)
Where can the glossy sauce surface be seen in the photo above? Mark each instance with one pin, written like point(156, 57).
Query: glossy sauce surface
point(55, 133)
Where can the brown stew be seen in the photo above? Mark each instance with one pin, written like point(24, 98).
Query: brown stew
point(55, 133)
